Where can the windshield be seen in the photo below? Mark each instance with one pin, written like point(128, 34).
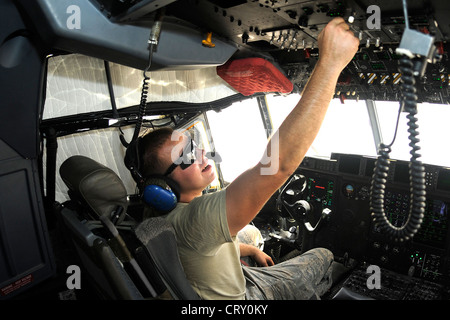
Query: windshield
point(240, 136)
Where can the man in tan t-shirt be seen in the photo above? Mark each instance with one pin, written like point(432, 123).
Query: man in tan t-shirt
point(206, 225)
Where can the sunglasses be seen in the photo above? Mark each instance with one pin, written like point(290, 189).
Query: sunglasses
point(186, 159)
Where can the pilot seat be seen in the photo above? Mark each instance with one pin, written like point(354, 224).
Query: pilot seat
point(125, 258)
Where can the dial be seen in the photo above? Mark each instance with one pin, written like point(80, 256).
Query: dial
point(349, 190)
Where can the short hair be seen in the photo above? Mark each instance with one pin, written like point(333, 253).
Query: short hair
point(149, 145)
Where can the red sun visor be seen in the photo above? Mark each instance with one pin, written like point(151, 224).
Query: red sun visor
point(253, 75)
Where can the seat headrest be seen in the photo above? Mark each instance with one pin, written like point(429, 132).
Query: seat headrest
point(97, 185)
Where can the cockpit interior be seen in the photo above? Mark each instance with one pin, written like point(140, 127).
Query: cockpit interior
point(79, 79)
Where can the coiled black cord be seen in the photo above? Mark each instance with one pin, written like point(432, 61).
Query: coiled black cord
point(132, 157)
point(143, 102)
point(416, 168)
point(153, 41)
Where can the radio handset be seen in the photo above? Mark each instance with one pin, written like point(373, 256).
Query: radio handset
point(417, 50)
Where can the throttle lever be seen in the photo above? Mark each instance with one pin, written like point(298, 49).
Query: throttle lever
point(325, 213)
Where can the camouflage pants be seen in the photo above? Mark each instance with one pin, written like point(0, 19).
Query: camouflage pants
point(304, 277)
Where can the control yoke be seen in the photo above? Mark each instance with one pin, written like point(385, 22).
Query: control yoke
point(299, 209)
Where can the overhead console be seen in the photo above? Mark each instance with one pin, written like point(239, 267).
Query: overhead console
point(287, 32)
point(334, 196)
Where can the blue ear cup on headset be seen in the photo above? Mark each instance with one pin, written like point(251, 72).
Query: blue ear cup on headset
point(161, 193)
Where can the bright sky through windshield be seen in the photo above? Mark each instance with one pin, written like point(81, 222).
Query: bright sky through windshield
point(240, 138)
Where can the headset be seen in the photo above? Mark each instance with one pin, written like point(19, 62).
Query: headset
point(158, 191)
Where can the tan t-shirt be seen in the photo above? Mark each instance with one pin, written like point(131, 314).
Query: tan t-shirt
point(208, 253)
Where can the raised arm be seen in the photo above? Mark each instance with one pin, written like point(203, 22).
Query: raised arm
point(248, 193)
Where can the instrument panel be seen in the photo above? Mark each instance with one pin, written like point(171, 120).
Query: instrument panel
point(287, 32)
point(341, 185)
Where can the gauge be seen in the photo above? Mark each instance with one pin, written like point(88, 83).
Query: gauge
point(349, 190)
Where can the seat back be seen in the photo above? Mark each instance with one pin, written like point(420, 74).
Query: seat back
point(158, 238)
